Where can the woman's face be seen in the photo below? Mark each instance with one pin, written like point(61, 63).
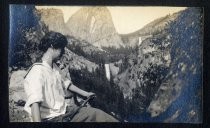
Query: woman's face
point(59, 53)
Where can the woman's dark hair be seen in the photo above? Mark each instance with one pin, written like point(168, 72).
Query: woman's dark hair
point(52, 39)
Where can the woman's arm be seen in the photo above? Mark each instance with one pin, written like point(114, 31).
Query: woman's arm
point(66, 76)
point(79, 91)
point(35, 111)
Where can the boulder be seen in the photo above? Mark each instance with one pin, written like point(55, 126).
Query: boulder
point(16, 94)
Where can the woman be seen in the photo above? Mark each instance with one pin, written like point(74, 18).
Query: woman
point(45, 86)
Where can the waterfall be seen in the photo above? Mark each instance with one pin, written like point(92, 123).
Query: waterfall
point(107, 70)
point(140, 40)
point(92, 25)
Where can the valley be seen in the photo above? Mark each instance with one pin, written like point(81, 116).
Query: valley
point(142, 76)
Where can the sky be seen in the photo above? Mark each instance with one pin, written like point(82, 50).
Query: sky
point(126, 19)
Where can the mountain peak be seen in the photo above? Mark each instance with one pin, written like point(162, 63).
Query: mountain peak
point(95, 25)
point(54, 19)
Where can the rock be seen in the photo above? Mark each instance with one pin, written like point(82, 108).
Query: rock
point(16, 80)
point(54, 20)
point(95, 25)
point(183, 84)
point(16, 88)
point(175, 115)
point(166, 94)
point(17, 93)
point(146, 66)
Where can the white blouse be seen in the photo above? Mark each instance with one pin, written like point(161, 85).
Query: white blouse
point(45, 85)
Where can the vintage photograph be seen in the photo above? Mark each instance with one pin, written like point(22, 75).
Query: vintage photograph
point(138, 64)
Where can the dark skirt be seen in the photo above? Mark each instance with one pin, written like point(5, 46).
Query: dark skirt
point(85, 114)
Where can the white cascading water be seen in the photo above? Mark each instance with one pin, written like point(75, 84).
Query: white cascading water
point(140, 40)
point(107, 70)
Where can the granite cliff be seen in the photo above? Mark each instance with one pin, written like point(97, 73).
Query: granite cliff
point(94, 24)
point(53, 19)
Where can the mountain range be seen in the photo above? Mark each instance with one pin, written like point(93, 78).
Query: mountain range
point(92, 24)
point(95, 25)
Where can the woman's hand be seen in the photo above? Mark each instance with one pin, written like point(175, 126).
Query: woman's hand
point(63, 70)
point(89, 94)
